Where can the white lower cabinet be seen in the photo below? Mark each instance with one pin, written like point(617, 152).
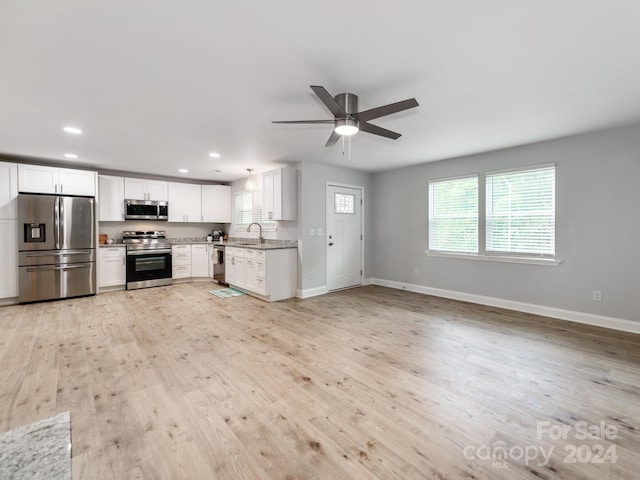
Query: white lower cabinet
point(181, 261)
point(234, 266)
point(113, 266)
point(190, 260)
point(199, 260)
point(267, 274)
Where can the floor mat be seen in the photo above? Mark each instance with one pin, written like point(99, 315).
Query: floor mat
point(38, 450)
point(226, 292)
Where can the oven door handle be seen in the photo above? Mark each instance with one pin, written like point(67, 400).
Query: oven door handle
point(148, 252)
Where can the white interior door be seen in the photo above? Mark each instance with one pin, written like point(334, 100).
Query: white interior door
point(344, 237)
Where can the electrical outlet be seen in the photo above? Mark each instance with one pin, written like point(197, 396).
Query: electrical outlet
point(320, 232)
point(416, 272)
point(597, 295)
point(312, 232)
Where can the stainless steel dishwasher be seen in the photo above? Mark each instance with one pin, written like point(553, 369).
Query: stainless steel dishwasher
point(217, 263)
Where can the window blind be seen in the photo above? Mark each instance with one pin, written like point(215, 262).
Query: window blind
point(453, 215)
point(520, 212)
point(248, 208)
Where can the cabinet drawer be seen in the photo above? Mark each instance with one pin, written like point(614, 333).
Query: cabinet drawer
point(181, 248)
point(112, 252)
point(260, 286)
point(181, 258)
point(250, 253)
point(181, 271)
point(234, 252)
point(260, 255)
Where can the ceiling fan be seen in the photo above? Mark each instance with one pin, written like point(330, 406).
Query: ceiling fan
point(348, 120)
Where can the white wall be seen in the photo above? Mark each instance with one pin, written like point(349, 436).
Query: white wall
point(312, 181)
point(597, 238)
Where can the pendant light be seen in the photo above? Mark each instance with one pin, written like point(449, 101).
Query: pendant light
point(250, 185)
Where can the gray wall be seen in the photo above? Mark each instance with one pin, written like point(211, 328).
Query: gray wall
point(597, 233)
point(312, 182)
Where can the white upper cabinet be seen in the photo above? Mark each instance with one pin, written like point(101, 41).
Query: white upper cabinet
point(8, 190)
point(216, 204)
point(184, 202)
point(142, 189)
point(111, 198)
point(65, 181)
point(280, 194)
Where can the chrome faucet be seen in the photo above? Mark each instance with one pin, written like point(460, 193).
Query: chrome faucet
point(260, 237)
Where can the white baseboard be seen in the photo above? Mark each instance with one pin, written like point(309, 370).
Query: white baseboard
point(311, 292)
point(570, 315)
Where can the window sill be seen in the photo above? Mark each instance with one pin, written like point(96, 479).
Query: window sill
point(265, 228)
point(550, 262)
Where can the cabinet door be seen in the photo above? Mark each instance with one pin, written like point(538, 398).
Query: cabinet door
point(9, 255)
point(176, 202)
point(234, 271)
point(199, 261)
point(111, 198)
point(209, 203)
point(224, 204)
point(250, 275)
point(8, 190)
point(267, 190)
point(37, 179)
point(77, 182)
point(157, 190)
point(193, 203)
point(134, 189)
point(113, 270)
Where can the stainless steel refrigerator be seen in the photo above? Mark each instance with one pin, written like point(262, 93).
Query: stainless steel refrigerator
point(56, 247)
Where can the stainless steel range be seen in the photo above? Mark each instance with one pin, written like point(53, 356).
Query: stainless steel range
point(148, 259)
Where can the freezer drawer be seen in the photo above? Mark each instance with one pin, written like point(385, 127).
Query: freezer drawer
point(50, 282)
point(56, 257)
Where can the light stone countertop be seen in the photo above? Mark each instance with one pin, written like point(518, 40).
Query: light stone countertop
point(39, 450)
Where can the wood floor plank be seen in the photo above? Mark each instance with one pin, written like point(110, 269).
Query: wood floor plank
point(367, 383)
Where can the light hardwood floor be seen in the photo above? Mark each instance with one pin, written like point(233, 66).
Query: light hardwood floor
point(368, 383)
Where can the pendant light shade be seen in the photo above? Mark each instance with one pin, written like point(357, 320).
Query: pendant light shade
point(250, 185)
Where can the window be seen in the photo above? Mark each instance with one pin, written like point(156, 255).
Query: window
point(453, 215)
point(344, 203)
point(248, 208)
point(520, 206)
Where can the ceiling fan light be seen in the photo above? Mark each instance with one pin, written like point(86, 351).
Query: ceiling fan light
point(347, 127)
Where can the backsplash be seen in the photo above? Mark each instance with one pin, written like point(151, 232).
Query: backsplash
point(174, 230)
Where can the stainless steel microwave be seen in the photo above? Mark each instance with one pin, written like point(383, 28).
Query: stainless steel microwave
point(146, 210)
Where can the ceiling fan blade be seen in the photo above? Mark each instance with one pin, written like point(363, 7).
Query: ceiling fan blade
point(385, 110)
point(303, 121)
point(383, 132)
point(329, 101)
point(332, 139)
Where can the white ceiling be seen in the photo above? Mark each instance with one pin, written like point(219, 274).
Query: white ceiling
point(157, 85)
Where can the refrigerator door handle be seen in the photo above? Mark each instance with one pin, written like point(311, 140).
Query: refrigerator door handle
point(61, 221)
point(56, 222)
point(62, 267)
point(49, 253)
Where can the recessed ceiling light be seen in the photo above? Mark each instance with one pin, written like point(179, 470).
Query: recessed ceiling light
point(214, 155)
point(72, 130)
point(70, 155)
point(183, 170)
